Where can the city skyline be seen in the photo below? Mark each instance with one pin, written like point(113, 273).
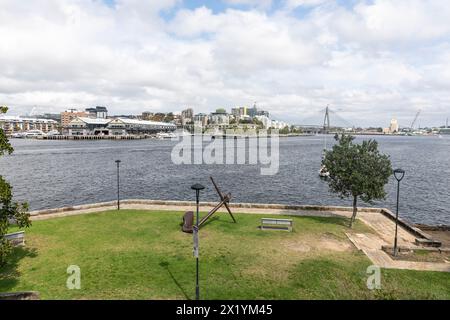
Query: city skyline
point(371, 61)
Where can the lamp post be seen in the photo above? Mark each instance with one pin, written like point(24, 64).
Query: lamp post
point(197, 187)
point(118, 185)
point(398, 174)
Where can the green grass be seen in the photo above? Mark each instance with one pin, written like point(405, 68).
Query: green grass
point(144, 255)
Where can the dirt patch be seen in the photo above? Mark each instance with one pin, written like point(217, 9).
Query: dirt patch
point(326, 242)
point(298, 247)
point(333, 245)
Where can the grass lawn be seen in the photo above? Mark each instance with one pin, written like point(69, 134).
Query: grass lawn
point(144, 255)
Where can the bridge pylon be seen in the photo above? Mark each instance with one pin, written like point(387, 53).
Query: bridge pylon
point(326, 121)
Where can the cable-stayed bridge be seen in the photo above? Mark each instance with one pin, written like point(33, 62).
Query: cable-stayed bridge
point(332, 122)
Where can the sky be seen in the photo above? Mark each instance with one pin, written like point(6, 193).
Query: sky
point(369, 60)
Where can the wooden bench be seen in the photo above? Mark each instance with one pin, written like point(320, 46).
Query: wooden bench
point(276, 224)
point(16, 238)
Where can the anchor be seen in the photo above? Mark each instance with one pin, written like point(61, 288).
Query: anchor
point(188, 218)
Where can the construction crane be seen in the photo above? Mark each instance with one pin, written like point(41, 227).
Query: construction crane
point(32, 112)
point(415, 119)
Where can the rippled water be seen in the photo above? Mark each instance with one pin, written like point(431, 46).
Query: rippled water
point(51, 174)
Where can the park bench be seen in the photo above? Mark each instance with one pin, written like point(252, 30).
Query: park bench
point(276, 224)
point(16, 238)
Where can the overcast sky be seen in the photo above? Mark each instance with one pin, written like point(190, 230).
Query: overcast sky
point(369, 60)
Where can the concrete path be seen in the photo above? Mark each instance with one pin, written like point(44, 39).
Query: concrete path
point(182, 208)
point(371, 244)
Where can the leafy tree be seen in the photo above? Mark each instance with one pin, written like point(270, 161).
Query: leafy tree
point(357, 170)
point(285, 130)
point(259, 123)
point(169, 117)
point(158, 117)
point(10, 212)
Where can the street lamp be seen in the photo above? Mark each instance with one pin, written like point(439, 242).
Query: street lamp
point(118, 185)
point(197, 187)
point(398, 174)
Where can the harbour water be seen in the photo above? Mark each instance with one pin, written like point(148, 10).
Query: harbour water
point(50, 174)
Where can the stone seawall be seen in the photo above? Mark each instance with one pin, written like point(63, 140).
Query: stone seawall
point(107, 205)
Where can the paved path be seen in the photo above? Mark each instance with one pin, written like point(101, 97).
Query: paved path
point(370, 244)
point(182, 208)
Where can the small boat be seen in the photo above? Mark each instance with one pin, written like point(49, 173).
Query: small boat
point(165, 135)
point(33, 133)
point(323, 172)
point(18, 135)
point(53, 133)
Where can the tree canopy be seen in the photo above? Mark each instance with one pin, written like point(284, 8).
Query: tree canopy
point(10, 211)
point(357, 170)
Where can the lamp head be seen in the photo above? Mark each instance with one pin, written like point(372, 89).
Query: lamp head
point(118, 161)
point(197, 187)
point(399, 174)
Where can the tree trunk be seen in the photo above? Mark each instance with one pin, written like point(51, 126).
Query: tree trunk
point(355, 211)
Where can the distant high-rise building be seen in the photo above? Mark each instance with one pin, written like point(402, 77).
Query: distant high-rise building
point(69, 115)
point(393, 128)
point(187, 116)
point(98, 112)
point(254, 111)
point(239, 112)
point(263, 113)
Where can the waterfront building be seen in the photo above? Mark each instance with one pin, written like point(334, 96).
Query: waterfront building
point(84, 126)
point(98, 112)
point(69, 115)
point(118, 126)
point(220, 118)
point(394, 127)
point(201, 120)
point(444, 130)
point(278, 124)
point(12, 124)
point(122, 126)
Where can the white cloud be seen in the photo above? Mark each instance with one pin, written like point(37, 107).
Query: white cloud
point(256, 3)
point(305, 3)
point(371, 61)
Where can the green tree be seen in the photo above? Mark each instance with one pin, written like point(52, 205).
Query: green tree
point(285, 130)
point(357, 171)
point(169, 117)
point(158, 117)
point(10, 212)
point(259, 124)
